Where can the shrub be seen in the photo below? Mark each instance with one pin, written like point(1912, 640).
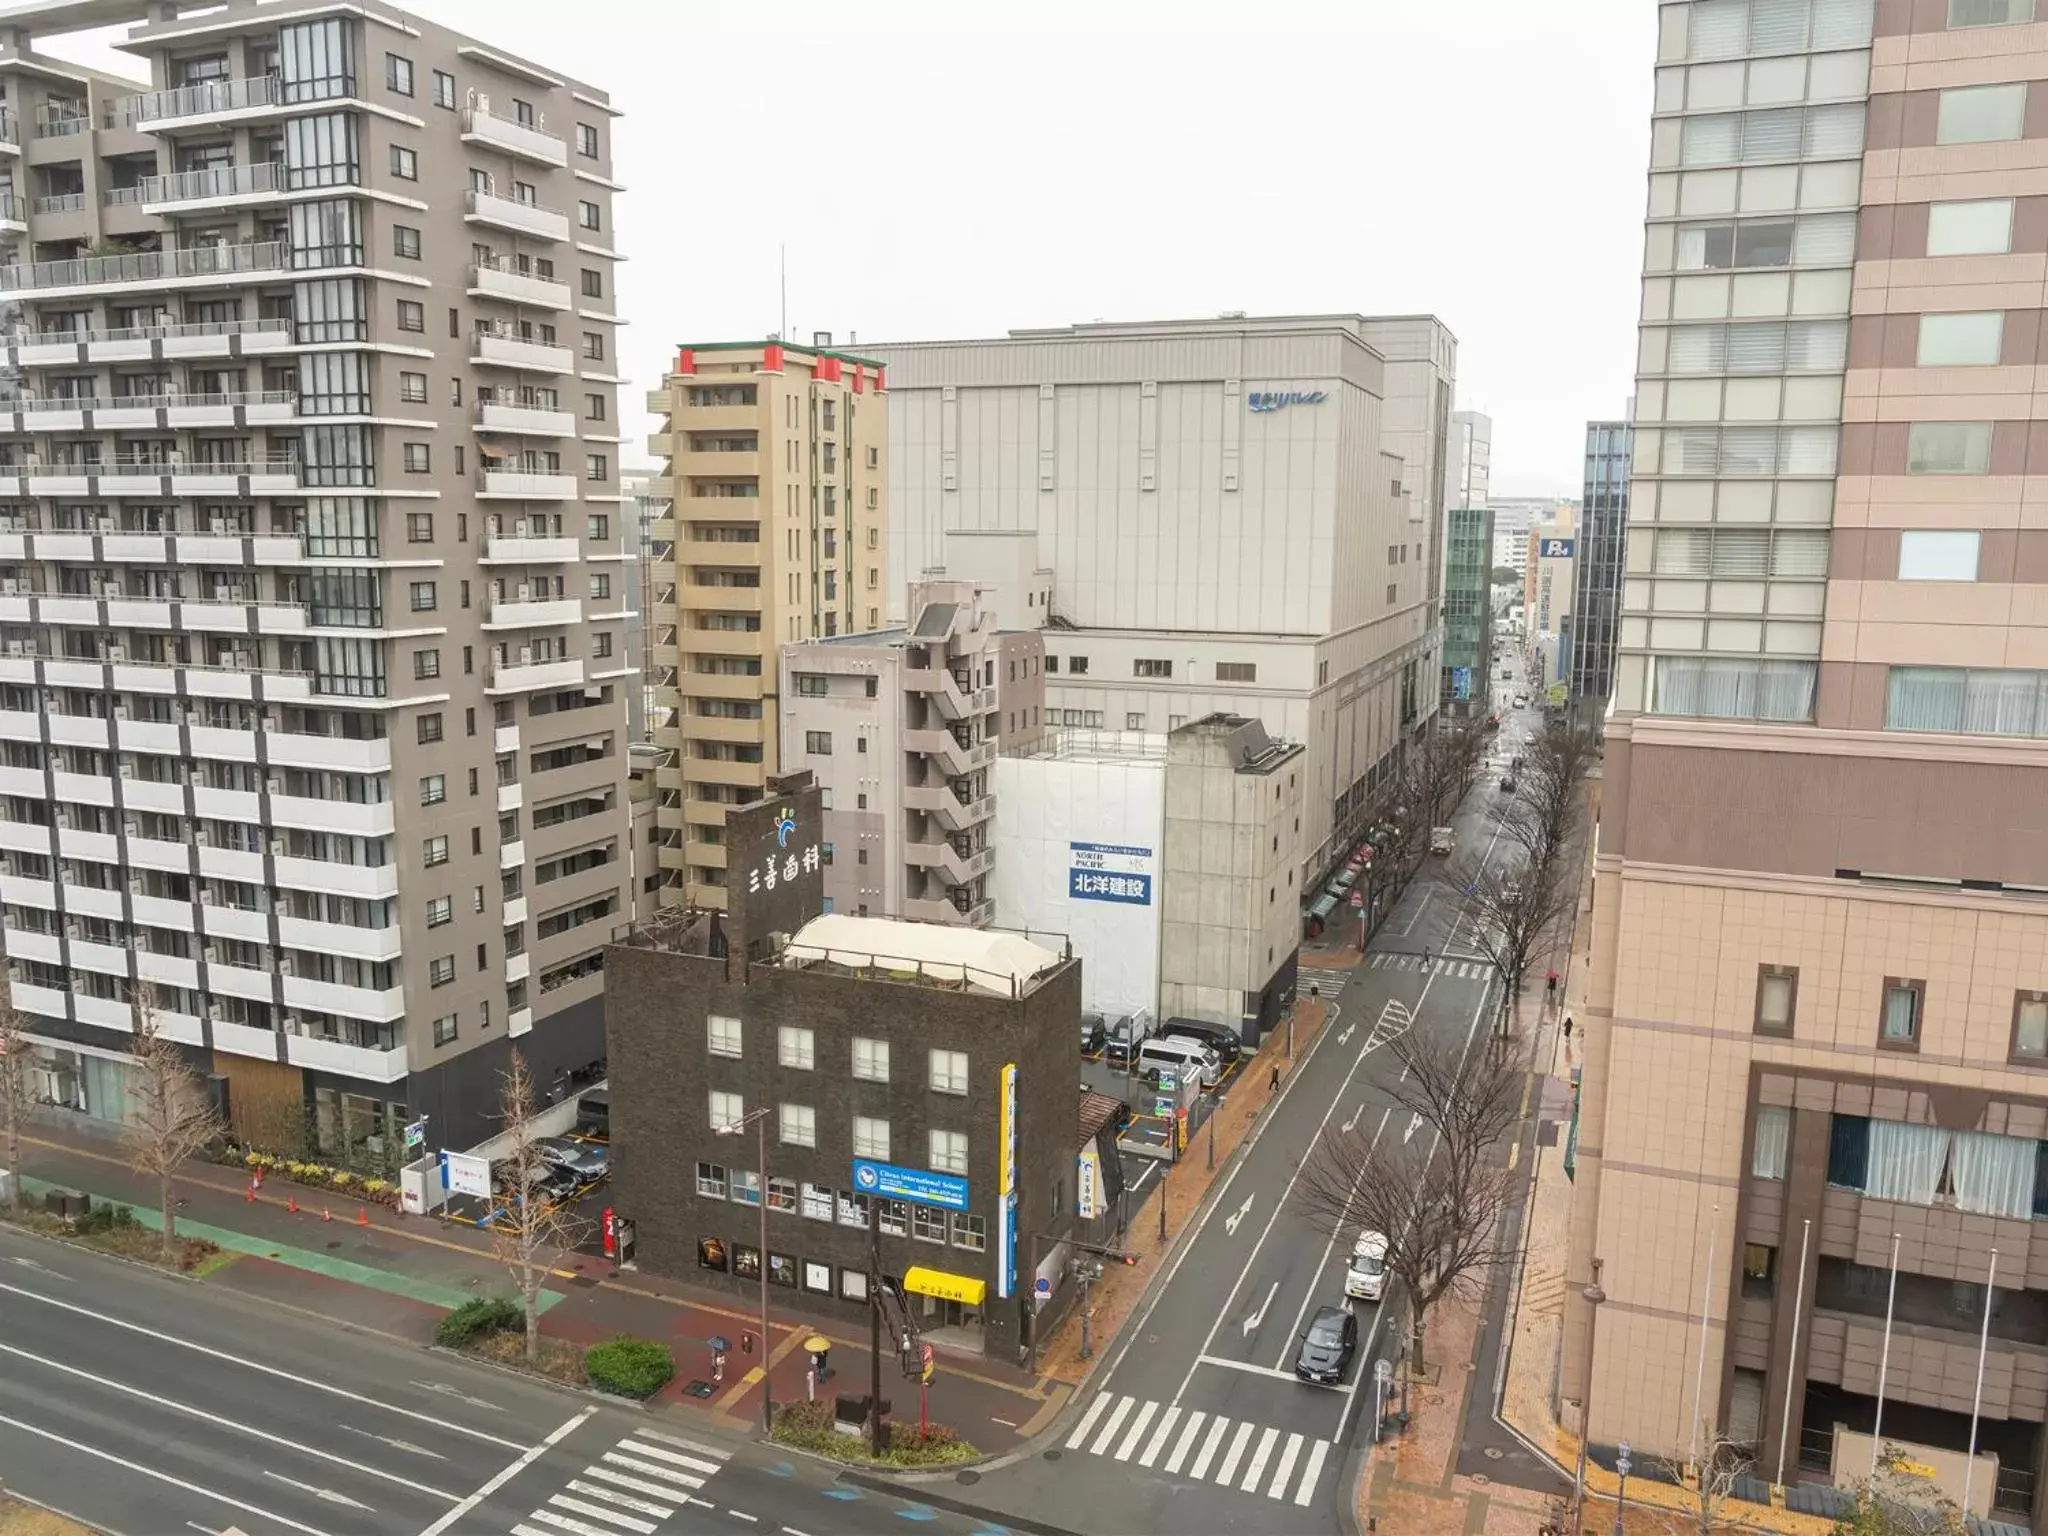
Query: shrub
point(809, 1426)
point(341, 1178)
point(374, 1186)
point(628, 1366)
point(479, 1316)
point(106, 1218)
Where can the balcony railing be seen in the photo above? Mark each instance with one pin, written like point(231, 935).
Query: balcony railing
point(214, 181)
point(530, 141)
point(62, 123)
point(10, 130)
point(146, 266)
point(59, 202)
point(33, 405)
point(184, 331)
point(516, 214)
point(12, 209)
point(207, 99)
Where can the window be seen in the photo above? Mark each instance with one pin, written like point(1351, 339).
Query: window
point(1777, 997)
point(444, 89)
point(434, 851)
point(589, 215)
point(601, 585)
point(405, 163)
point(1970, 229)
point(597, 466)
point(419, 527)
point(969, 1232)
point(593, 346)
point(927, 1224)
point(1961, 341)
point(722, 1035)
point(782, 1196)
point(434, 789)
point(746, 1186)
point(2030, 1027)
point(1948, 448)
point(405, 243)
point(445, 1029)
point(1236, 672)
point(1980, 701)
point(818, 743)
point(795, 1047)
point(417, 460)
point(1938, 554)
point(1898, 1021)
point(412, 316)
point(398, 74)
point(1759, 1270)
point(1077, 666)
point(426, 663)
point(425, 599)
point(1773, 1141)
point(1144, 668)
point(871, 1138)
point(949, 1151)
point(1981, 114)
point(600, 526)
point(727, 1111)
point(429, 728)
point(871, 1060)
point(594, 407)
point(1989, 13)
point(440, 911)
point(593, 283)
point(601, 646)
point(949, 1071)
point(412, 388)
point(797, 1125)
point(441, 971)
point(711, 1180)
point(586, 141)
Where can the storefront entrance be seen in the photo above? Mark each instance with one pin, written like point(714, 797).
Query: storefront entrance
point(949, 1307)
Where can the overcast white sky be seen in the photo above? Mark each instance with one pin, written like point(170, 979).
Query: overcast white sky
point(940, 168)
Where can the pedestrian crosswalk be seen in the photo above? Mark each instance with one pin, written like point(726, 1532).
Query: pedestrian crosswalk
point(1472, 970)
point(630, 1489)
point(1210, 1448)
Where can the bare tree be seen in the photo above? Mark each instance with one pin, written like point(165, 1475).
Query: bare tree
point(1722, 1467)
point(174, 1119)
point(1552, 787)
point(1517, 916)
point(530, 1228)
point(1441, 769)
point(1895, 1502)
point(14, 1106)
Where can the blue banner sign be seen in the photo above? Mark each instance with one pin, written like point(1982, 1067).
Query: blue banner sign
point(916, 1185)
point(1274, 400)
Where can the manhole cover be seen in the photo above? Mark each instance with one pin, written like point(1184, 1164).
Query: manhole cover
point(1435, 1399)
point(1053, 1455)
point(1481, 1479)
point(1493, 1453)
point(697, 1389)
point(968, 1479)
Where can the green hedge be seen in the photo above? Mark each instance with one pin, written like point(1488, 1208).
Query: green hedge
point(628, 1366)
point(478, 1316)
point(808, 1426)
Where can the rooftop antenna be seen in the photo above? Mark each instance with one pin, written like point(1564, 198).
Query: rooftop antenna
point(783, 250)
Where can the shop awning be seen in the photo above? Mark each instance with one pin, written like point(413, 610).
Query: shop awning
point(937, 1283)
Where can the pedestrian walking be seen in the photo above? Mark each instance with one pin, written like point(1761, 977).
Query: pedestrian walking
point(1550, 986)
point(1273, 1085)
point(1567, 1026)
point(1425, 957)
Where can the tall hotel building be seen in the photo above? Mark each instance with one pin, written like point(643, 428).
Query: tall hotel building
point(1817, 1043)
point(312, 685)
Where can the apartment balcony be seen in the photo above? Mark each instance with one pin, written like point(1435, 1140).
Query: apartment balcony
point(217, 921)
point(204, 105)
point(512, 855)
point(499, 349)
point(725, 642)
point(197, 266)
point(290, 749)
point(505, 282)
point(720, 464)
point(661, 530)
point(13, 215)
point(713, 770)
point(10, 133)
point(372, 882)
point(951, 812)
point(511, 796)
point(718, 509)
point(524, 485)
point(46, 413)
point(943, 748)
point(360, 1061)
point(704, 813)
point(929, 909)
point(725, 729)
point(505, 738)
point(525, 420)
point(518, 967)
point(515, 911)
point(519, 1022)
point(152, 479)
point(337, 938)
point(243, 1040)
point(947, 862)
point(217, 186)
point(519, 550)
point(523, 141)
point(44, 1002)
point(719, 599)
point(702, 418)
point(521, 614)
point(952, 701)
point(139, 343)
point(385, 1006)
point(355, 818)
point(535, 676)
point(509, 214)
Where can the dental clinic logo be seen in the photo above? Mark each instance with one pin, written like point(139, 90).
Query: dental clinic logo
point(785, 824)
point(1263, 400)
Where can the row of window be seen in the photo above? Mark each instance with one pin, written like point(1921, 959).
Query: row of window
point(820, 1202)
point(1902, 1008)
point(399, 76)
point(1226, 671)
point(796, 1046)
point(1970, 701)
point(796, 1125)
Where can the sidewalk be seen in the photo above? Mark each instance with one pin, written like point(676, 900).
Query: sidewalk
point(398, 1274)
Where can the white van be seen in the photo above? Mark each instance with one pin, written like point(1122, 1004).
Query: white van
point(1177, 1053)
point(1366, 1277)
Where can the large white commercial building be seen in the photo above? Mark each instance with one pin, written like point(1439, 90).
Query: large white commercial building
point(1468, 479)
point(1239, 515)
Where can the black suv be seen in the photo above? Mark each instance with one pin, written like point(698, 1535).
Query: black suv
point(1224, 1041)
point(1094, 1033)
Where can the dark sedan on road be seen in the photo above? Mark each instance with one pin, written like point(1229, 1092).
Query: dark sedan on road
point(1327, 1345)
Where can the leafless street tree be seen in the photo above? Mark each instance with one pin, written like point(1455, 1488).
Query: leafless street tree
point(174, 1119)
point(1518, 915)
point(1897, 1503)
point(14, 1105)
point(1550, 793)
point(1722, 1467)
point(1441, 769)
point(529, 1229)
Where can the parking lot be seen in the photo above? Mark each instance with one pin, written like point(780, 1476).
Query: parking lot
point(585, 1199)
point(1145, 1144)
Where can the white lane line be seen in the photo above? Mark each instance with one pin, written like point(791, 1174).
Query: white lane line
point(1257, 1470)
point(325, 1495)
point(1311, 1472)
point(527, 1530)
point(685, 1445)
point(599, 1512)
point(267, 1370)
point(563, 1522)
point(624, 1501)
point(162, 1477)
point(1200, 1469)
point(1231, 1457)
point(1102, 1401)
point(741, 1514)
point(1158, 1440)
point(1123, 1452)
point(790, 1530)
point(634, 1483)
point(1187, 1439)
point(1247, 1367)
point(224, 1423)
point(673, 1458)
point(1109, 1428)
point(532, 1454)
point(654, 1469)
point(1286, 1467)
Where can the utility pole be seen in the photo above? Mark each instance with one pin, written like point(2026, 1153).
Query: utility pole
point(878, 1430)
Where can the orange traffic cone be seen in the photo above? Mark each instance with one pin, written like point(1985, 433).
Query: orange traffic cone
point(291, 1203)
point(326, 1214)
point(259, 1178)
point(362, 1216)
point(249, 1194)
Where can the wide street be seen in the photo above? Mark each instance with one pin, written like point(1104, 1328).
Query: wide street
point(1197, 1397)
point(145, 1404)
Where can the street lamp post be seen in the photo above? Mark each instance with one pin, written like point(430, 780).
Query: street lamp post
point(1594, 1297)
point(1620, 1493)
point(759, 1121)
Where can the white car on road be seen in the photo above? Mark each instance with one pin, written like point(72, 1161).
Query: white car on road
point(1366, 1278)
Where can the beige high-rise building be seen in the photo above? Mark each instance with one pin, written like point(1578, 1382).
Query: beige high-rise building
point(1816, 1048)
point(312, 581)
point(776, 463)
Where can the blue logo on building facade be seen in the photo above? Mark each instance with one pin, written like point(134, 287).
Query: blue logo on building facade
point(1274, 400)
point(1554, 549)
point(785, 824)
point(916, 1185)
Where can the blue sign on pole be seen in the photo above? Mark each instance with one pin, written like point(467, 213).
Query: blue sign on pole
point(917, 1185)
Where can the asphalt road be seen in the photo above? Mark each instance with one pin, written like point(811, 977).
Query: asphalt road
point(143, 1404)
point(1196, 1421)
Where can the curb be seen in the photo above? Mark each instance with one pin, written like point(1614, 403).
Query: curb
point(981, 1512)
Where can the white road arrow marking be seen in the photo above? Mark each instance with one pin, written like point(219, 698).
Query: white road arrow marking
point(1352, 1124)
point(328, 1495)
point(457, 1393)
point(396, 1445)
point(1344, 1034)
point(1258, 1317)
point(1230, 1222)
point(1414, 1125)
point(27, 1263)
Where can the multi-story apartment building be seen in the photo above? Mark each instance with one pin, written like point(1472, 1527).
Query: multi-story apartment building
point(311, 685)
point(1597, 571)
point(1467, 686)
point(901, 728)
point(1547, 591)
point(775, 463)
point(1470, 468)
point(1817, 1042)
point(649, 520)
point(1235, 515)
